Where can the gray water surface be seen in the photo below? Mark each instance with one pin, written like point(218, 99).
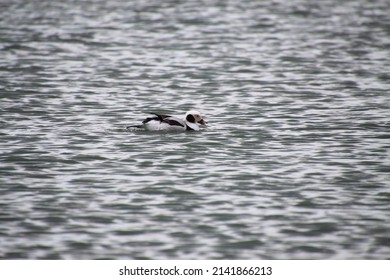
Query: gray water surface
point(295, 162)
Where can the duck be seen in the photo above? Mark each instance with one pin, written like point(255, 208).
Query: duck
point(158, 122)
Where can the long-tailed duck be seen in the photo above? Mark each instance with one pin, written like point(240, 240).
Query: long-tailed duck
point(171, 123)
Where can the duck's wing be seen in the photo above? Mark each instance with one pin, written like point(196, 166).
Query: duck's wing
point(157, 117)
point(174, 121)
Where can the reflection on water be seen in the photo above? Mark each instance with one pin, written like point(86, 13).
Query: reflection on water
point(294, 163)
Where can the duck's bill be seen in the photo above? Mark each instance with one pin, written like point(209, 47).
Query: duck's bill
point(202, 122)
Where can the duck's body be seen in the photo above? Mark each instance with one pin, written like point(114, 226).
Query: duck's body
point(172, 123)
point(164, 122)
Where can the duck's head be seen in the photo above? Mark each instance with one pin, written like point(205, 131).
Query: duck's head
point(193, 118)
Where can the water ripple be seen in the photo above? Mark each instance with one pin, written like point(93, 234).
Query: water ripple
point(293, 165)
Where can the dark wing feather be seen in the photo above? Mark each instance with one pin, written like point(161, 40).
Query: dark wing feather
point(157, 117)
point(161, 117)
point(172, 122)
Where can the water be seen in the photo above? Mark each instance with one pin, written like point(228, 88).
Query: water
point(294, 164)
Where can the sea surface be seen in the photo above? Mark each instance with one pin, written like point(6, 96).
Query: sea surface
point(295, 161)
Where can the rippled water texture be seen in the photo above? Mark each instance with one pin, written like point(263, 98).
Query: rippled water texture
point(295, 163)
